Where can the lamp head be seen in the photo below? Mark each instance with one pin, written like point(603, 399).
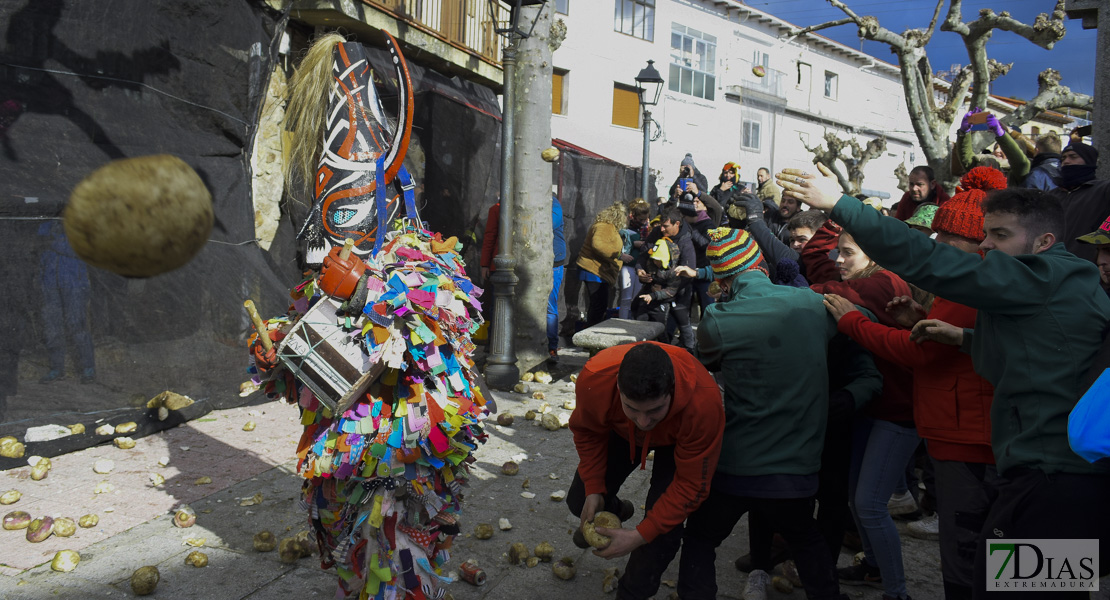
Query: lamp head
point(649, 84)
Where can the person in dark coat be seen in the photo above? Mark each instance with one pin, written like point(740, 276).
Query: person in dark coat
point(1086, 200)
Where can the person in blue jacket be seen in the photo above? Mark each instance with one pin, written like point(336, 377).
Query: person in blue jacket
point(559, 247)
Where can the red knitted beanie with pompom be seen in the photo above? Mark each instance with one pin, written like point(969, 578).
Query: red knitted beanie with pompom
point(962, 214)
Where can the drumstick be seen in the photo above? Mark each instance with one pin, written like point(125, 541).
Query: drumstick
point(258, 325)
point(348, 245)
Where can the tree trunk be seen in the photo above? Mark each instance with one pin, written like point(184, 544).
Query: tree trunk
point(532, 237)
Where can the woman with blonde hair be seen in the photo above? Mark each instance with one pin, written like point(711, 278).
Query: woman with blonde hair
point(601, 258)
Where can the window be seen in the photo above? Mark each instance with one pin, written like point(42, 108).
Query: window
point(830, 85)
point(693, 62)
point(562, 6)
point(635, 18)
point(559, 91)
point(626, 106)
point(750, 139)
point(761, 59)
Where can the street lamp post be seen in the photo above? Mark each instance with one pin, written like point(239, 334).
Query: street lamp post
point(501, 370)
point(649, 84)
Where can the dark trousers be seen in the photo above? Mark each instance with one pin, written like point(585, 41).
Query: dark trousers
point(599, 302)
point(832, 496)
point(656, 311)
point(1032, 504)
point(714, 520)
point(647, 563)
point(833, 515)
point(679, 317)
point(963, 499)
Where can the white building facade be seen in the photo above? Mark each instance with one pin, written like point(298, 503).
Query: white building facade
point(713, 105)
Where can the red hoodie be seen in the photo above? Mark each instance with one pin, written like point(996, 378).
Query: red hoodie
point(693, 425)
point(896, 401)
point(951, 402)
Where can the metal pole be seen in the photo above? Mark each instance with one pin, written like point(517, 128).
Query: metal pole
point(501, 370)
point(647, 149)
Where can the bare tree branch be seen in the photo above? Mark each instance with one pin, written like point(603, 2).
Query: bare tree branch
point(932, 24)
point(854, 161)
point(827, 156)
point(813, 28)
point(954, 20)
point(868, 27)
point(1050, 95)
point(903, 177)
point(1045, 31)
point(957, 91)
point(932, 123)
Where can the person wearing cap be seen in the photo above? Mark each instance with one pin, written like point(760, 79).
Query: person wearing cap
point(688, 170)
point(951, 403)
point(674, 226)
point(1040, 323)
point(756, 335)
point(633, 399)
point(1100, 239)
point(658, 291)
point(729, 185)
point(1086, 200)
point(922, 219)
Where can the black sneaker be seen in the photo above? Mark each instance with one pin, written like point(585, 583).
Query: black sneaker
point(861, 574)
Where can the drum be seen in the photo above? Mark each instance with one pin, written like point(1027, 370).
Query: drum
point(326, 357)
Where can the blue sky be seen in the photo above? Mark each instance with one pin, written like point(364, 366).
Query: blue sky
point(1074, 56)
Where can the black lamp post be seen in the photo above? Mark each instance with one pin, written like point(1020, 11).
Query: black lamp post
point(501, 370)
point(649, 84)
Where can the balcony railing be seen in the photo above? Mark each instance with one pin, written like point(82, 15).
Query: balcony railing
point(464, 23)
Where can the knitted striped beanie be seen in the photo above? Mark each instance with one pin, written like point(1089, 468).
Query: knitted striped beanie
point(731, 251)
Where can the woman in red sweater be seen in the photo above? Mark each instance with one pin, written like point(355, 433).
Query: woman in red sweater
point(884, 435)
point(951, 403)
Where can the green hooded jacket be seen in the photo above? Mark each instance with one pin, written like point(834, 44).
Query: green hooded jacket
point(1042, 318)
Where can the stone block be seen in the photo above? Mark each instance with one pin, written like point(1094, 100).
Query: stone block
point(613, 332)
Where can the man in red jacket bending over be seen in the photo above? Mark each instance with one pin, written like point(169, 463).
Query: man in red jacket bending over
point(633, 399)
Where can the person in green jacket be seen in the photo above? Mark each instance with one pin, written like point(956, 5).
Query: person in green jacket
point(1018, 164)
point(756, 335)
point(1042, 319)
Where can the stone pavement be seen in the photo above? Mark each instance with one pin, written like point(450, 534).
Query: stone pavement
point(136, 527)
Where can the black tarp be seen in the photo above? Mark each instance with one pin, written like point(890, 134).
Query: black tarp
point(83, 82)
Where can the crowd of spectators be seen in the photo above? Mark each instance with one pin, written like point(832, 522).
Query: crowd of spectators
point(921, 365)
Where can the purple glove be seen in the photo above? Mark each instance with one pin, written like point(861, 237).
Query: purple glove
point(965, 126)
point(995, 126)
